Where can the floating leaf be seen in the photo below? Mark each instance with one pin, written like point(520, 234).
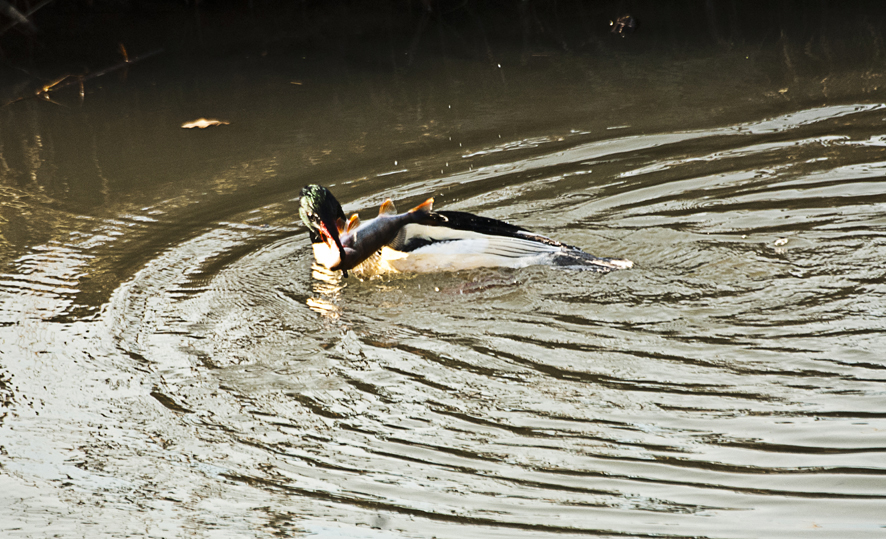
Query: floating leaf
point(203, 123)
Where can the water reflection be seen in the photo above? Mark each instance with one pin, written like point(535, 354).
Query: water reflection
point(327, 287)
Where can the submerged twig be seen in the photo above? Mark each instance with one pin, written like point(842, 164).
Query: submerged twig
point(17, 17)
point(70, 80)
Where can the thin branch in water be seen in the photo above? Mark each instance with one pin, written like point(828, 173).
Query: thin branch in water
point(70, 80)
point(18, 18)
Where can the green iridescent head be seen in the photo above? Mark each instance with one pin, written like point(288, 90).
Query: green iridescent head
point(319, 211)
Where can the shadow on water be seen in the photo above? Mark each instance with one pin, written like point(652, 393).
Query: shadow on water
point(172, 365)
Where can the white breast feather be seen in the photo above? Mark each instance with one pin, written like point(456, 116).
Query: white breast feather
point(325, 255)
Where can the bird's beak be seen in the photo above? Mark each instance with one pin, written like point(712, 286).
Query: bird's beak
point(329, 233)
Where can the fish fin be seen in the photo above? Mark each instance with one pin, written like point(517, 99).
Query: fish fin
point(424, 207)
point(353, 223)
point(340, 225)
point(387, 207)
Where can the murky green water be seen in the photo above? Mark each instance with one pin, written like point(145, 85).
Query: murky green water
point(170, 367)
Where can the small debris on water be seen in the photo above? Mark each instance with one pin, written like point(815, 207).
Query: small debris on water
point(624, 25)
point(780, 241)
point(203, 123)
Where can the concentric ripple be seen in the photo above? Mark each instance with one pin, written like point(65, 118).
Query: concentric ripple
point(730, 385)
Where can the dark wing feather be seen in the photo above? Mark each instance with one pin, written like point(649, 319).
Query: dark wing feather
point(484, 225)
point(447, 221)
point(460, 220)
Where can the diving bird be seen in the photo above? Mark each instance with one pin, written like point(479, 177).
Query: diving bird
point(423, 241)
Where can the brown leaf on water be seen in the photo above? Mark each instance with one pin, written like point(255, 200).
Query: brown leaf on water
point(203, 123)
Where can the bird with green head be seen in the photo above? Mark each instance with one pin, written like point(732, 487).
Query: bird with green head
point(323, 215)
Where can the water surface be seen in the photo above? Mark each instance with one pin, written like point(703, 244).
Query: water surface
point(171, 366)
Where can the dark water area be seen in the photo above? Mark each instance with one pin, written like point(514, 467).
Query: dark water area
point(171, 365)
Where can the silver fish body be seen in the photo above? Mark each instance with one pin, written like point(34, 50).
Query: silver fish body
point(364, 241)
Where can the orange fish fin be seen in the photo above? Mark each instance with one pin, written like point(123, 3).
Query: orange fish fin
point(353, 223)
point(340, 225)
point(424, 207)
point(387, 207)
